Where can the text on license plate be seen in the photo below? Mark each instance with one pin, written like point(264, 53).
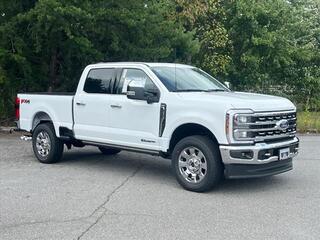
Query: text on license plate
point(284, 153)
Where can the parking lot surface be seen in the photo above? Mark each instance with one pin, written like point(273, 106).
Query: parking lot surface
point(134, 196)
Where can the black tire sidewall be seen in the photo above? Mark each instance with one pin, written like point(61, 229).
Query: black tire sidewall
point(56, 150)
point(214, 165)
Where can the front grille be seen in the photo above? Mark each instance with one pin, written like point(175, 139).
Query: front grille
point(271, 126)
point(265, 126)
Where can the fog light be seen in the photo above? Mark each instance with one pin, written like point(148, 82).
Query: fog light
point(265, 154)
point(247, 154)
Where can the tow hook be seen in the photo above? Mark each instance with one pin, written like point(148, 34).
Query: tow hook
point(26, 138)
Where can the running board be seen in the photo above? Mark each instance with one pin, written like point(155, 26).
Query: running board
point(132, 149)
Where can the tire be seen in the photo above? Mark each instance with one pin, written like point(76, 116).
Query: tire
point(109, 151)
point(197, 164)
point(46, 146)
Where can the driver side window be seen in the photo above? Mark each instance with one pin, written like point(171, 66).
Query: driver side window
point(134, 77)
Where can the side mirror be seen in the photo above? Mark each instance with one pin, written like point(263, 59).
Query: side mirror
point(152, 95)
point(139, 93)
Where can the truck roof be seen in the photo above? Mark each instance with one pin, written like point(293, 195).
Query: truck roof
point(149, 64)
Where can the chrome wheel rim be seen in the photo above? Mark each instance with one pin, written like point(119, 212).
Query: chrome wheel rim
point(192, 164)
point(43, 143)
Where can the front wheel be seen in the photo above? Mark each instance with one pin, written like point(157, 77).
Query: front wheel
point(46, 146)
point(197, 163)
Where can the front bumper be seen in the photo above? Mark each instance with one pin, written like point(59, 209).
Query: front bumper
point(257, 170)
point(261, 159)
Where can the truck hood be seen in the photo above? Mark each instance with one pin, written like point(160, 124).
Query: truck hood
point(242, 100)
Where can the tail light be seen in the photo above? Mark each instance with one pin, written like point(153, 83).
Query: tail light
point(17, 108)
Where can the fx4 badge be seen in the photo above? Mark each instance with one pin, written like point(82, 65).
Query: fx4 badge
point(26, 101)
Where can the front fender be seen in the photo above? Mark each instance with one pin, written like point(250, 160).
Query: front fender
point(217, 128)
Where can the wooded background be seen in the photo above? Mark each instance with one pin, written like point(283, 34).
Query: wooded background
point(269, 46)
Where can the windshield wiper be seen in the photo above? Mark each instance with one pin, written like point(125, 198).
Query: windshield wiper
point(189, 90)
point(215, 90)
point(200, 90)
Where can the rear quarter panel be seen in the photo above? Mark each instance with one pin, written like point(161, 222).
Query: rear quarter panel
point(58, 107)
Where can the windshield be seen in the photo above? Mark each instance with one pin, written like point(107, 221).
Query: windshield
point(183, 79)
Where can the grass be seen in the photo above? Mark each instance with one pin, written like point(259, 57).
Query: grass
point(309, 122)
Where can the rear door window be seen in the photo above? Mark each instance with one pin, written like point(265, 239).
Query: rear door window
point(100, 81)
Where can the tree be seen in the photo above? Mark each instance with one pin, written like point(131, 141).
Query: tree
point(305, 72)
point(206, 19)
point(275, 47)
point(45, 44)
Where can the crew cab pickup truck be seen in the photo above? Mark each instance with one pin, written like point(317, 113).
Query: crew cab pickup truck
point(172, 110)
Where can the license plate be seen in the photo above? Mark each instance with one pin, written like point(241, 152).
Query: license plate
point(284, 153)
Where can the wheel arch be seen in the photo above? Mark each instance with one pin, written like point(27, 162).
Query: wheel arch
point(189, 129)
point(40, 117)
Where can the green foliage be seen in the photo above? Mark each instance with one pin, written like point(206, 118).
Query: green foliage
point(206, 19)
point(45, 44)
point(275, 48)
point(261, 48)
point(309, 122)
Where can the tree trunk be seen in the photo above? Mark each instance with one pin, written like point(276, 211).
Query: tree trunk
point(53, 70)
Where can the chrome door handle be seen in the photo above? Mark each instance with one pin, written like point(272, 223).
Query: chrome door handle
point(115, 106)
point(80, 104)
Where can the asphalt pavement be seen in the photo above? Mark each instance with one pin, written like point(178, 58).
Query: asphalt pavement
point(134, 196)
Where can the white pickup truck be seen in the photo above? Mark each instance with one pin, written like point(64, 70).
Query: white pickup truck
point(172, 110)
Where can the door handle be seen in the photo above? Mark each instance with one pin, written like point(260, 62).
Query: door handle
point(115, 106)
point(80, 104)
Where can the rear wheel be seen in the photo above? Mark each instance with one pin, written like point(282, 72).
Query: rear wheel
point(109, 151)
point(46, 146)
point(197, 163)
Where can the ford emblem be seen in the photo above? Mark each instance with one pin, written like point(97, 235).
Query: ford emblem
point(282, 124)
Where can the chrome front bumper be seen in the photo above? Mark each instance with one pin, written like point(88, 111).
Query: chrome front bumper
point(225, 151)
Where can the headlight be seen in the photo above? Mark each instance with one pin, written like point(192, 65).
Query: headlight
point(238, 126)
point(241, 119)
point(240, 134)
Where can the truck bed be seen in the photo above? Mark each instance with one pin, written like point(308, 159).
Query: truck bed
point(51, 93)
point(58, 106)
